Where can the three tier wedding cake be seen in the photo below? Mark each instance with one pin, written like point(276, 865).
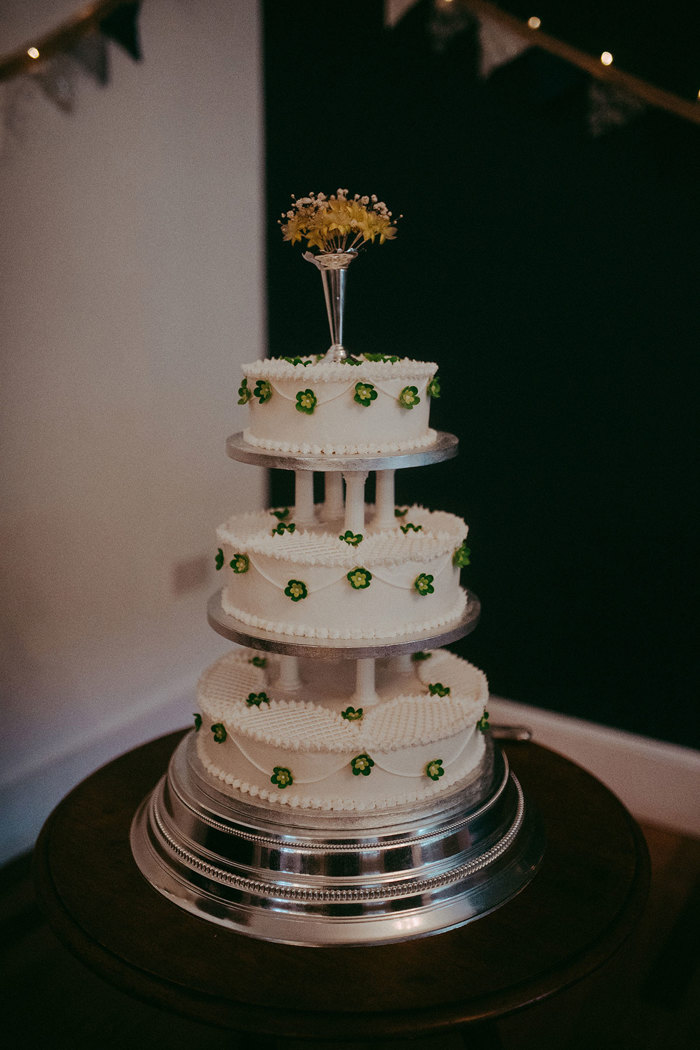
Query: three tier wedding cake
point(341, 760)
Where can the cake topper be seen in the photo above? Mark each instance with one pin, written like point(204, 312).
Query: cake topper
point(338, 227)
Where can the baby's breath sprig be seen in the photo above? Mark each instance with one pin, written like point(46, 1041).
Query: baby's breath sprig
point(337, 223)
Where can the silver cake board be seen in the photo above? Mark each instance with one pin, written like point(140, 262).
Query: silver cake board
point(306, 877)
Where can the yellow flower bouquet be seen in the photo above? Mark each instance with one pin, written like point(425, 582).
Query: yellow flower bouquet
point(337, 223)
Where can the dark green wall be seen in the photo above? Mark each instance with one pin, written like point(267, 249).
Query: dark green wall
point(553, 276)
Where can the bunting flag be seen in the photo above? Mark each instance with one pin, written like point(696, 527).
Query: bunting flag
point(614, 97)
point(56, 62)
point(121, 25)
point(610, 107)
point(498, 45)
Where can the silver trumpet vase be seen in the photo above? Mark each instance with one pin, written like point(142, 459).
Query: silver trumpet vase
point(333, 268)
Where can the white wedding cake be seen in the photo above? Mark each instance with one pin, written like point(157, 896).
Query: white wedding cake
point(340, 785)
point(345, 732)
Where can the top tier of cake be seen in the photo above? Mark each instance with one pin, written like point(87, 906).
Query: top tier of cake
point(366, 405)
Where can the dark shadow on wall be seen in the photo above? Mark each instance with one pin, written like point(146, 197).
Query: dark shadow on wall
point(553, 276)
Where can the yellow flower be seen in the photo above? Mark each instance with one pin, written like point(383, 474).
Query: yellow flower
point(336, 224)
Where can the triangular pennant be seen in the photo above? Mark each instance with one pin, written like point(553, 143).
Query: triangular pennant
point(90, 53)
point(56, 79)
point(498, 45)
point(610, 107)
point(446, 22)
point(122, 27)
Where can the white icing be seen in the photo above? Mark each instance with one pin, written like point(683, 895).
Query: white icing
point(379, 791)
point(305, 732)
point(338, 425)
point(320, 543)
point(386, 631)
point(405, 369)
point(381, 446)
point(315, 555)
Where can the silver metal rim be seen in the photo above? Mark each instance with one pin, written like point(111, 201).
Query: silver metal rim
point(332, 879)
point(335, 648)
point(444, 447)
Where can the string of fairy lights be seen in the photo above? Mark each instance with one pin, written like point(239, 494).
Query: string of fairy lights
point(601, 66)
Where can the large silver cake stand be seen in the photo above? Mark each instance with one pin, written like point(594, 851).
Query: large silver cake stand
point(337, 648)
point(301, 877)
point(444, 447)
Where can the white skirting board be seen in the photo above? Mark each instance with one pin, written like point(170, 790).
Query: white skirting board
point(658, 782)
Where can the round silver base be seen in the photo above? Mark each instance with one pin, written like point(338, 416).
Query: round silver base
point(302, 877)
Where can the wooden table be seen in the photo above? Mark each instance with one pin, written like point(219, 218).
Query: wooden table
point(579, 909)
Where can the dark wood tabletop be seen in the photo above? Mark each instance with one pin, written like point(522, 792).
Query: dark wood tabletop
point(567, 923)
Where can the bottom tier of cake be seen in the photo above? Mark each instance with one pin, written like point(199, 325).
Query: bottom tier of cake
point(341, 735)
point(316, 877)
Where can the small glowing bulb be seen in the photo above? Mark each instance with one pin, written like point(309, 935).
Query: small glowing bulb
point(33, 52)
point(606, 58)
point(534, 22)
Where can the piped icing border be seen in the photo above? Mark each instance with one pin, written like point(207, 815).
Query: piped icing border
point(305, 448)
point(256, 532)
point(238, 693)
point(333, 372)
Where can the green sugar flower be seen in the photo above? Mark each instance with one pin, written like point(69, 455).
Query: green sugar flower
point(352, 715)
point(280, 514)
point(433, 388)
point(258, 661)
point(296, 590)
point(282, 777)
point(360, 578)
point(219, 559)
point(263, 391)
point(421, 655)
point(424, 584)
point(483, 723)
point(244, 393)
point(197, 722)
point(352, 538)
point(297, 361)
point(438, 689)
point(350, 360)
point(361, 764)
point(409, 525)
point(381, 357)
point(306, 402)
point(461, 556)
point(219, 731)
point(409, 397)
point(256, 699)
point(398, 513)
point(283, 527)
point(365, 393)
point(434, 769)
point(240, 563)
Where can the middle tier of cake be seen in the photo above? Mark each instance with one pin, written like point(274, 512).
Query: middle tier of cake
point(322, 580)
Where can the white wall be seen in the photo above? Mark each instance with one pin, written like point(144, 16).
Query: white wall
point(131, 241)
